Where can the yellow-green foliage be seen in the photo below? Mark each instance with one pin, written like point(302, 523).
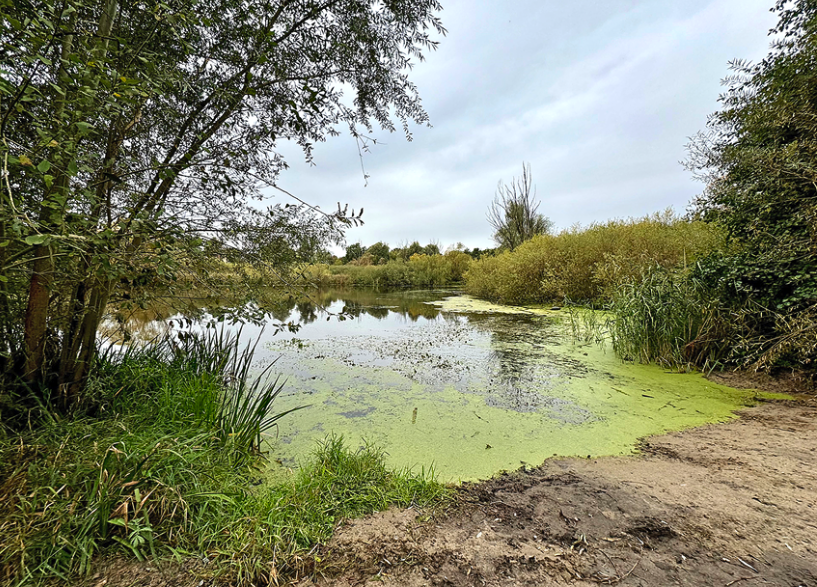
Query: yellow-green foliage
point(420, 270)
point(586, 264)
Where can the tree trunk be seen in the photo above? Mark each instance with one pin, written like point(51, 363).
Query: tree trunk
point(37, 310)
point(85, 348)
point(36, 321)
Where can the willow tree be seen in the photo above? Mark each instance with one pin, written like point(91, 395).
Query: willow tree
point(514, 212)
point(128, 128)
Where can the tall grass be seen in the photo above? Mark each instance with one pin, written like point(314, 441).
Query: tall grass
point(668, 318)
point(587, 264)
point(204, 378)
point(168, 465)
point(674, 319)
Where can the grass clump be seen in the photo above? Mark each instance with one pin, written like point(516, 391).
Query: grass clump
point(167, 463)
point(679, 320)
point(283, 522)
point(667, 317)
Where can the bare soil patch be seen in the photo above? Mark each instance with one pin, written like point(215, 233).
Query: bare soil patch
point(722, 505)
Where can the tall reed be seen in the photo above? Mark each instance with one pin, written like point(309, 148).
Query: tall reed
point(665, 318)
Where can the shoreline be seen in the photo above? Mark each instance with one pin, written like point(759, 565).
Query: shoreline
point(722, 504)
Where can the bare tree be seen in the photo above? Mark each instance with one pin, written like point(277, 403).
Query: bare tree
point(513, 213)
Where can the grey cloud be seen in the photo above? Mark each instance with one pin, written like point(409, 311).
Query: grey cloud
point(599, 96)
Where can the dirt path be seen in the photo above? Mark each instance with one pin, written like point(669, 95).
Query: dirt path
point(722, 505)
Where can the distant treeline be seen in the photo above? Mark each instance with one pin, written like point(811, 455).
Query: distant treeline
point(379, 253)
point(419, 270)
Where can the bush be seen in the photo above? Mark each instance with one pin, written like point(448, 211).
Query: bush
point(586, 265)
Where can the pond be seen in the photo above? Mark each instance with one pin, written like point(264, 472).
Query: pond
point(439, 379)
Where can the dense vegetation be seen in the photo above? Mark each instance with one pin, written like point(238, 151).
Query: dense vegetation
point(419, 270)
point(133, 139)
point(754, 302)
point(169, 466)
point(587, 264)
point(129, 130)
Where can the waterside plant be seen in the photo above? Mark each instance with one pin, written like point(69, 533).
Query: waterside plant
point(166, 461)
point(587, 264)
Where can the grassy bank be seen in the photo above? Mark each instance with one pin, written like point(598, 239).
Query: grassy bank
point(587, 264)
point(166, 463)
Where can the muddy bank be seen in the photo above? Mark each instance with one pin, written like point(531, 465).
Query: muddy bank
point(725, 504)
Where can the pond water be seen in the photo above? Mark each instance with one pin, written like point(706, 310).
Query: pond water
point(438, 379)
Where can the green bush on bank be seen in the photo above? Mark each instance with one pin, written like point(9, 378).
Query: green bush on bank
point(587, 264)
point(677, 318)
point(169, 464)
point(420, 270)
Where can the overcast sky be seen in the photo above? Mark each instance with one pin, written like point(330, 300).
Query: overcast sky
point(599, 96)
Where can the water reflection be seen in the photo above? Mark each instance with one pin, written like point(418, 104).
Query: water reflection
point(270, 306)
point(507, 359)
point(432, 385)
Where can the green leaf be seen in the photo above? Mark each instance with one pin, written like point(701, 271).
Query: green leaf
point(44, 166)
point(36, 239)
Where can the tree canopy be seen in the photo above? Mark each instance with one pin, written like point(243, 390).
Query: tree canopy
point(758, 159)
point(130, 129)
point(759, 162)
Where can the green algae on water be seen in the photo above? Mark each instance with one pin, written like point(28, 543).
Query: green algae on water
point(479, 389)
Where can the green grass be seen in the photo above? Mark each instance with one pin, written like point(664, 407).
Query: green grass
point(168, 466)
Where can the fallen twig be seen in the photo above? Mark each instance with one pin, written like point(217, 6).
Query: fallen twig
point(747, 565)
point(615, 568)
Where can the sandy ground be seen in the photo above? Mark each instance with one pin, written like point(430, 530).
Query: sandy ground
point(727, 504)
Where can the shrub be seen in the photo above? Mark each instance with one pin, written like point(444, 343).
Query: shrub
point(587, 264)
